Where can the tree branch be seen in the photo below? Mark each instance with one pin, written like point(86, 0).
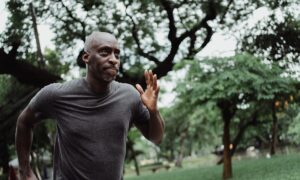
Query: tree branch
point(10, 113)
point(75, 19)
point(67, 24)
point(211, 14)
point(178, 5)
point(225, 12)
point(167, 5)
point(25, 72)
point(209, 33)
point(191, 52)
point(140, 51)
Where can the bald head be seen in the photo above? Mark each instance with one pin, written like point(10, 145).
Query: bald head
point(98, 38)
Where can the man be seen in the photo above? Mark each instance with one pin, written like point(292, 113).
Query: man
point(93, 116)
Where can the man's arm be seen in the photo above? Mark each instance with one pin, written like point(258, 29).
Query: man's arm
point(149, 98)
point(24, 134)
point(156, 127)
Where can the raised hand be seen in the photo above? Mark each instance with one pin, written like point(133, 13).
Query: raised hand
point(150, 95)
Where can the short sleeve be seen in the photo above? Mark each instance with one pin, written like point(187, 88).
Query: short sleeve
point(141, 116)
point(43, 100)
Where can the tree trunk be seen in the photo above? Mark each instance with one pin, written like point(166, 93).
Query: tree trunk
point(136, 165)
point(227, 168)
point(178, 162)
point(172, 155)
point(130, 144)
point(239, 136)
point(274, 131)
point(25, 72)
point(179, 159)
point(41, 61)
point(228, 110)
point(190, 151)
point(235, 142)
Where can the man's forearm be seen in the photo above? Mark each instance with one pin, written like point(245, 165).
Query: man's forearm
point(23, 146)
point(156, 127)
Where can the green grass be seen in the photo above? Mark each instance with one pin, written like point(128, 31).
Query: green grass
point(283, 167)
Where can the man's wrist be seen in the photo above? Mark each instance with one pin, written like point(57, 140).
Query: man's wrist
point(153, 111)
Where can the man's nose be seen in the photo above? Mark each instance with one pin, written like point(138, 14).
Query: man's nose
point(113, 60)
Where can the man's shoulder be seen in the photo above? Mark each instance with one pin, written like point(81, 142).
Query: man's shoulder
point(125, 87)
point(61, 87)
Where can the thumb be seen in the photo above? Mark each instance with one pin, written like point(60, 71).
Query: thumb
point(139, 88)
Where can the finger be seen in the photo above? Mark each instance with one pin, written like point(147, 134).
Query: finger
point(139, 88)
point(154, 81)
point(146, 74)
point(151, 78)
point(157, 91)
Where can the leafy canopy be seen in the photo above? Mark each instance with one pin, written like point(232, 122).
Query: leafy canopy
point(240, 79)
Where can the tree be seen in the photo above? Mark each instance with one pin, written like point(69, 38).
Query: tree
point(276, 37)
point(277, 44)
point(231, 83)
point(131, 152)
point(139, 24)
point(154, 34)
point(188, 129)
point(13, 97)
point(124, 18)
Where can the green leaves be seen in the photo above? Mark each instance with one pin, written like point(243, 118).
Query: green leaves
point(228, 78)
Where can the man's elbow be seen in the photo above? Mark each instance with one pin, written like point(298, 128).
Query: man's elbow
point(25, 120)
point(157, 141)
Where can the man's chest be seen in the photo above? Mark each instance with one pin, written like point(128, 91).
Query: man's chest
point(80, 117)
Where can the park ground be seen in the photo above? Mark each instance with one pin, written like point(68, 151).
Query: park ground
point(279, 167)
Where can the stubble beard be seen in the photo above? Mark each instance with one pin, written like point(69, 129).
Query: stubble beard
point(108, 78)
point(105, 77)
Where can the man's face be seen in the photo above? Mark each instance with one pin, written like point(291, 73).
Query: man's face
point(103, 58)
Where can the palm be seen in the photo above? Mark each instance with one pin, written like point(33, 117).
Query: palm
point(150, 95)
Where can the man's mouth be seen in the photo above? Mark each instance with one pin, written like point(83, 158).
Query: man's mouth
point(112, 70)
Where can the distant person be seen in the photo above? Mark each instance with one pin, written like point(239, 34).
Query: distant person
point(93, 116)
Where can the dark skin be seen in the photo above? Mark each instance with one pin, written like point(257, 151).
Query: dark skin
point(102, 57)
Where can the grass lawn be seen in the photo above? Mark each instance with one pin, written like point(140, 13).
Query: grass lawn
point(282, 167)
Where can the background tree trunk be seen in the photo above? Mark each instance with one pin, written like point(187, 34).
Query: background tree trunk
point(179, 159)
point(227, 170)
point(274, 130)
point(133, 157)
point(228, 110)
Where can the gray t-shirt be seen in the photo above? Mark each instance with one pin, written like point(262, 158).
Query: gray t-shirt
point(91, 128)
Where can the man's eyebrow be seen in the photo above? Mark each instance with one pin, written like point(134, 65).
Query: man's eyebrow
point(108, 47)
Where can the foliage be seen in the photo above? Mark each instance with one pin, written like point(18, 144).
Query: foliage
point(240, 79)
point(293, 132)
point(133, 140)
point(275, 37)
point(53, 63)
point(234, 84)
point(200, 124)
point(9, 88)
point(151, 33)
point(244, 80)
point(18, 28)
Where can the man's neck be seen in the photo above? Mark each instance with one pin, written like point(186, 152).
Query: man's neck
point(97, 86)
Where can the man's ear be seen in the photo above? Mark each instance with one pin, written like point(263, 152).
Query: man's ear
point(85, 57)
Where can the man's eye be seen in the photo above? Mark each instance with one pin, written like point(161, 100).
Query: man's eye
point(103, 52)
point(117, 55)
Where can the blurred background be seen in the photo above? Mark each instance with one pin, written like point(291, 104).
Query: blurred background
point(229, 71)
